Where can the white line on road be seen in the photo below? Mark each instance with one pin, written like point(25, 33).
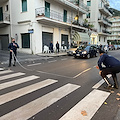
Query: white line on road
point(11, 76)
point(52, 61)
point(23, 91)
point(34, 64)
point(6, 71)
point(82, 72)
point(96, 86)
point(27, 111)
point(18, 81)
point(54, 74)
point(91, 103)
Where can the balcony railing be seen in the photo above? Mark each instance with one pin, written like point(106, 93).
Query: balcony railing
point(105, 31)
point(5, 17)
point(52, 15)
point(106, 8)
point(80, 4)
point(107, 20)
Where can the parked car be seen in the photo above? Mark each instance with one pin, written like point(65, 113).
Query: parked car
point(72, 50)
point(119, 46)
point(87, 52)
point(111, 47)
point(116, 47)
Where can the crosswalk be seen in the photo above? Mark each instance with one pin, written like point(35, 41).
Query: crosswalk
point(90, 103)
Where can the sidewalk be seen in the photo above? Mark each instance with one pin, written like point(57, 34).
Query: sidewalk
point(53, 54)
point(24, 57)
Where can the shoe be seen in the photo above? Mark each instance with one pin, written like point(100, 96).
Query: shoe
point(109, 87)
point(13, 64)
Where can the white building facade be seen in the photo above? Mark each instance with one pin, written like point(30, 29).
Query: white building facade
point(115, 30)
point(98, 16)
point(35, 23)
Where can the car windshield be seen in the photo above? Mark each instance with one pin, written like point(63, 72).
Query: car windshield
point(87, 48)
point(81, 48)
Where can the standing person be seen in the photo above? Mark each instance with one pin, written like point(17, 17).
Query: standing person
point(51, 47)
point(112, 66)
point(57, 47)
point(13, 50)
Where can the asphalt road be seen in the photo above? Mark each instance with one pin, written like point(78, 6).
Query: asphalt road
point(66, 94)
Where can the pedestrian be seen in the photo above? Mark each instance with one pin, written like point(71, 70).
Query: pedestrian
point(112, 66)
point(51, 47)
point(57, 47)
point(13, 51)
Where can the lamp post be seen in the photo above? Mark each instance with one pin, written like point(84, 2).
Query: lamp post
point(76, 18)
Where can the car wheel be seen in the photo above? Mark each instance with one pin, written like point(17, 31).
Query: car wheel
point(75, 56)
point(88, 56)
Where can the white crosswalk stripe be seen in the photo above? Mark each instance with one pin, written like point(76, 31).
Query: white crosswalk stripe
point(23, 91)
point(18, 81)
point(11, 76)
point(30, 109)
point(90, 103)
point(6, 71)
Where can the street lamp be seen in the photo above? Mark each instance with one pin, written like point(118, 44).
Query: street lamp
point(76, 18)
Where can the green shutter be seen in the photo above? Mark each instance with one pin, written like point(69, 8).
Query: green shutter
point(88, 3)
point(25, 40)
point(24, 5)
point(47, 9)
point(65, 16)
point(1, 14)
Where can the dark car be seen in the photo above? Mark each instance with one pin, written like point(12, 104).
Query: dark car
point(89, 51)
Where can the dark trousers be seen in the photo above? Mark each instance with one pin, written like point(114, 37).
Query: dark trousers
point(10, 59)
point(57, 50)
point(113, 71)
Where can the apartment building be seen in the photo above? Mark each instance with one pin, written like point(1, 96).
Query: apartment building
point(98, 16)
point(4, 24)
point(35, 23)
point(115, 30)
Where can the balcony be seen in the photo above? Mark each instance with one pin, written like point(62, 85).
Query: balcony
point(104, 33)
point(104, 21)
point(4, 20)
point(83, 8)
point(54, 18)
point(104, 9)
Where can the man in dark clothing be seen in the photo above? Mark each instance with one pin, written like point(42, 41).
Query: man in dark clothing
point(57, 47)
point(13, 50)
point(112, 66)
point(51, 47)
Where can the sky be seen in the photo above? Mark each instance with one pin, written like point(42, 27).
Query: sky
point(115, 4)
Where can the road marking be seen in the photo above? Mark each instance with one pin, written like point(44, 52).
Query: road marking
point(52, 61)
point(23, 91)
point(91, 103)
point(6, 71)
point(34, 64)
point(27, 111)
point(11, 75)
point(18, 81)
point(96, 86)
point(82, 72)
point(54, 74)
point(64, 59)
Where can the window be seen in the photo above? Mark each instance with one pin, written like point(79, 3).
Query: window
point(24, 5)
point(65, 16)
point(88, 3)
point(104, 39)
point(6, 8)
point(88, 15)
point(99, 39)
point(25, 40)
